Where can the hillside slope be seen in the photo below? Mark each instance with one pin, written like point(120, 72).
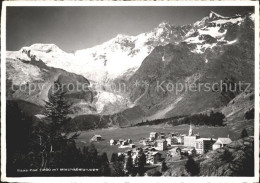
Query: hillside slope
point(236, 159)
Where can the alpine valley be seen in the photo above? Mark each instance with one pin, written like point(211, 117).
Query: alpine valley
point(215, 49)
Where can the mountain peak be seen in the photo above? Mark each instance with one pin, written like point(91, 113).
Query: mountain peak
point(214, 15)
point(45, 47)
point(164, 24)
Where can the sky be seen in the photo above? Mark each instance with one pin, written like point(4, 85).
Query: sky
point(74, 28)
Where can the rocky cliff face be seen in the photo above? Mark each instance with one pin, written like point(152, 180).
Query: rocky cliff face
point(209, 55)
point(33, 82)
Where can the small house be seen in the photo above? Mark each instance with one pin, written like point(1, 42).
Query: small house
point(132, 145)
point(112, 142)
point(124, 143)
point(153, 135)
point(96, 138)
point(120, 141)
point(129, 141)
point(221, 142)
point(161, 136)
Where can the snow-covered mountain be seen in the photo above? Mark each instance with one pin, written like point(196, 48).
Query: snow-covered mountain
point(213, 30)
point(220, 49)
point(124, 54)
point(168, 52)
point(114, 58)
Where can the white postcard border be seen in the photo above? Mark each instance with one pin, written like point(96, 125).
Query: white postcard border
point(127, 179)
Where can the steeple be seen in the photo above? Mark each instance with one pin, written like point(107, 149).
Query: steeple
point(190, 131)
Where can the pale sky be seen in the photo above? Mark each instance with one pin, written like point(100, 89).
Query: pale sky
point(74, 28)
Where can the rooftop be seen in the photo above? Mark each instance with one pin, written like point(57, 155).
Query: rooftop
point(96, 135)
point(160, 140)
point(202, 139)
point(224, 140)
point(154, 153)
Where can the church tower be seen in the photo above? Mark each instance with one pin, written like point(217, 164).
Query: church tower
point(190, 131)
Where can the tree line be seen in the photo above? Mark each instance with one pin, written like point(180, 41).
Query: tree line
point(211, 119)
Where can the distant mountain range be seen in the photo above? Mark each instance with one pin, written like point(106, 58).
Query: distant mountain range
point(212, 49)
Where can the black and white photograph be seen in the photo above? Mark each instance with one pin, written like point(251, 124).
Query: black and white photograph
point(130, 90)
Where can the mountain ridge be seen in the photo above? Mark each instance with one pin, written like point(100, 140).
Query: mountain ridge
point(177, 54)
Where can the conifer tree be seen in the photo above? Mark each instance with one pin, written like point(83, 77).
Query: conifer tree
point(128, 164)
point(191, 167)
point(113, 158)
point(244, 134)
point(105, 170)
point(53, 136)
point(164, 167)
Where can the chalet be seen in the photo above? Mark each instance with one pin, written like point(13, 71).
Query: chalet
point(153, 136)
point(132, 145)
point(129, 141)
point(120, 141)
point(161, 145)
point(161, 136)
point(112, 142)
point(124, 143)
point(221, 142)
point(96, 138)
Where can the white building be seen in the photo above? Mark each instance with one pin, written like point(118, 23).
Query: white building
point(112, 142)
point(180, 139)
point(189, 140)
point(221, 142)
point(153, 135)
point(161, 145)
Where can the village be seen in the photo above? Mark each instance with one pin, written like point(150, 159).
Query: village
point(160, 147)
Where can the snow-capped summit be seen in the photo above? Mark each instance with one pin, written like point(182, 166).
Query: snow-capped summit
point(212, 31)
point(213, 15)
point(46, 48)
point(164, 24)
point(102, 62)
